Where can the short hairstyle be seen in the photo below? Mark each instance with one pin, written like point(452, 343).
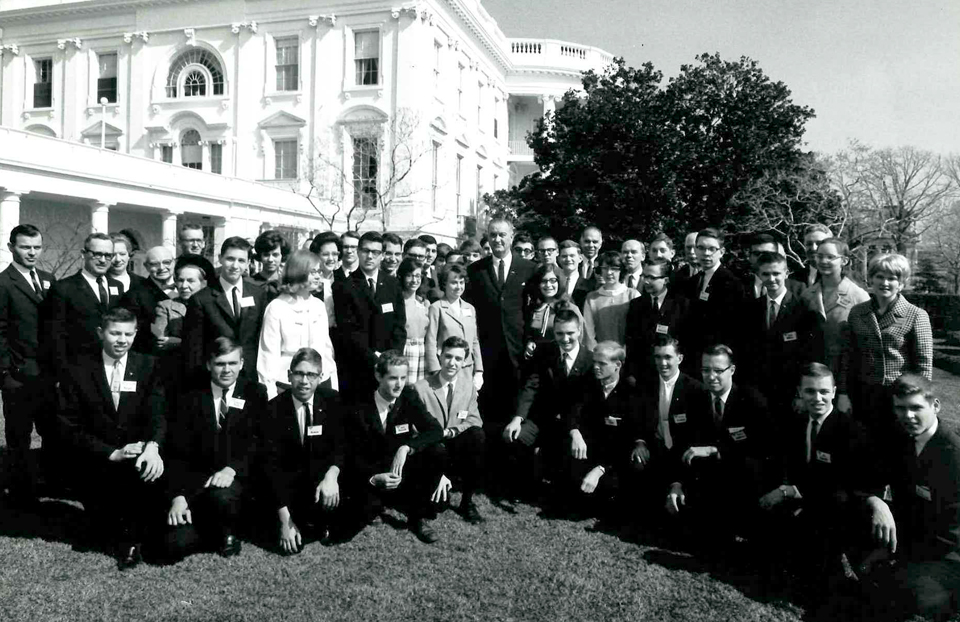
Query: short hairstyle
point(843, 249)
point(455, 342)
point(95, 236)
point(270, 240)
point(406, 267)
point(349, 234)
point(666, 267)
point(662, 237)
point(117, 315)
point(122, 238)
point(535, 295)
point(763, 238)
point(443, 249)
point(816, 370)
point(454, 257)
point(545, 239)
point(914, 384)
point(27, 231)
point(199, 262)
point(235, 242)
point(327, 237)
point(222, 346)
point(372, 237)
point(719, 349)
point(566, 315)
point(522, 237)
point(711, 232)
point(610, 259)
point(500, 221)
point(298, 267)
point(588, 228)
point(308, 355)
point(134, 240)
point(817, 228)
point(470, 245)
point(484, 240)
point(414, 242)
point(614, 351)
point(191, 227)
point(767, 257)
point(568, 244)
point(894, 263)
point(426, 238)
point(392, 238)
point(444, 273)
point(663, 341)
point(390, 358)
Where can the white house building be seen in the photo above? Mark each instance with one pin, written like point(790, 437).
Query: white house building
point(244, 115)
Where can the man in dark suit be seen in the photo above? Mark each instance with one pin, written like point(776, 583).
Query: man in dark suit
point(75, 305)
point(210, 440)
point(556, 375)
point(577, 287)
point(26, 397)
point(660, 310)
point(752, 283)
point(146, 294)
point(451, 399)
point(689, 269)
point(112, 414)
point(716, 296)
point(591, 241)
point(371, 317)
point(417, 250)
point(396, 448)
point(920, 528)
point(304, 455)
point(230, 307)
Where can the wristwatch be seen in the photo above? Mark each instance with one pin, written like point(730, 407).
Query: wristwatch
point(783, 490)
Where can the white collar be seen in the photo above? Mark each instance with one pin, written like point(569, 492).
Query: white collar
point(92, 279)
point(573, 353)
point(108, 361)
point(24, 271)
point(219, 392)
point(723, 396)
point(299, 405)
point(124, 278)
point(822, 418)
point(778, 299)
point(660, 298)
point(921, 441)
point(227, 286)
point(672, 381)
point(382, 404)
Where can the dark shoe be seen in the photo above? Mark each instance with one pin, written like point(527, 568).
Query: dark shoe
point(128, 556)
point(470, 513)
point(424, 532)
point(230, 546)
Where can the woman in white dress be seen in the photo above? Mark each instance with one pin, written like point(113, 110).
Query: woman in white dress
point(295, 319)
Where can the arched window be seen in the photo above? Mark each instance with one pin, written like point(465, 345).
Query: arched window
point(195, 73)
point(191, 152)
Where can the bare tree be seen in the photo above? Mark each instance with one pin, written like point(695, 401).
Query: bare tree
point(62, 243)
point(945, 243)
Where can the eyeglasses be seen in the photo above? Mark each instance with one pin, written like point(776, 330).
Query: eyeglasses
point(548, 251)
point(90, 253)
point(166, 263)
point(708, 371)
point(524, 251)
point(651, 277)
point(300, 375)
point(825, 257)
point(549, 281)
point(371, 251)
point(416, 256)
point(708, 250)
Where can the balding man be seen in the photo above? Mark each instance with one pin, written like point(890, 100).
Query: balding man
point(632, 254)
point(590, 242)
point(690, 267)
point(146, 294)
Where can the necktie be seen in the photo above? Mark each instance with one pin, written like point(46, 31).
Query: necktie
point(224, 407)
point(104, 296)
point(372, 287)
point(306, 422)
point(717, 410)
point(631, 281)
point(665, 417)
point(565, 363)
point(701, 282)
point(814, 429)
point(236, 304)
point(36, 284)
point(116, 378)
point(500, 277)
point(449, 398)
point(772, 314)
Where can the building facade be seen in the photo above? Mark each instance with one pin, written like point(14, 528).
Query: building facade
point(244, 115)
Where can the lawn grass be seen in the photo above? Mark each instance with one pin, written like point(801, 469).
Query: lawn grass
point(513, 567)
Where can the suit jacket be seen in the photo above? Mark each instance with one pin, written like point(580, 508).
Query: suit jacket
point(581, 288)
point(463, 413)
point(499, 310)
point(142, 299)
point(88, 419)
point(645, 322)
point(610, 425)
point(73, 316)
point(682, 277)
point(373, 445)
point(834, 316)
point(688, 395)
point(20, 314)
point(444, 324)
point(716, 316)
point(209, 315)
point(288, 462)
point(370, 322)
point(547, 392)
point(429, 290)
point(196, 449)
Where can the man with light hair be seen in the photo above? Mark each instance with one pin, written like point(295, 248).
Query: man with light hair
point(192, 240)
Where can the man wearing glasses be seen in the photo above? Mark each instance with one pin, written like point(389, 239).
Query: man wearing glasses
point(192, 241)
point(659, 311)
point(76, 304)
point(419, 251)
point(371, 316)
point(523, 245)
point(547, 251)
point(148, 293)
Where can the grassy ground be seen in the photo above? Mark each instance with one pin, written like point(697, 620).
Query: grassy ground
point(513, 567)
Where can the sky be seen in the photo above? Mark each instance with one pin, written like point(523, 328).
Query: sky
point(884, 72)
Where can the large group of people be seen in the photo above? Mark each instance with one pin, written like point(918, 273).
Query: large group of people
point(317, 385)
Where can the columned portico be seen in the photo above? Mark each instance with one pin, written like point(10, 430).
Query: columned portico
point(9, 218)
point(170, 229)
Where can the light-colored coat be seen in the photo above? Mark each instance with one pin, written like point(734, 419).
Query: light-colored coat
point(443, 323)
point(849, 294)
point(464, 413)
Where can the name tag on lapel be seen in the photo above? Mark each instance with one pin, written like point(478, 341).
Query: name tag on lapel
point(924, 493)
point(823, 456)
point(114, 291)
point(247, 301)
point(128, 386)
point(681, 418)
point(737, 434)
point(235, 402)
point(386, 307)
point(46, 285)
point(403, 428)
point(661, 329)
point(467, 313)
point(612, 421)
point(791, 336)
point(462, 414)
point(705, 296)
point(315, 430)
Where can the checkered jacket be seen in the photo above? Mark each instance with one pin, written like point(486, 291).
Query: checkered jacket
point(877, 350)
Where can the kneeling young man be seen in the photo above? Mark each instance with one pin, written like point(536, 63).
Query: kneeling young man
point(450, 397)
point(304, 454)
point(112, 416)
point(209, 447)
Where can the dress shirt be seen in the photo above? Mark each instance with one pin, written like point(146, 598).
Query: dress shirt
point(507, 262)
point(778, 301)
point(367, 278)
point(723, 398)
point(573, 354)
point(810, 421)
point(124, 278)
point(707, 275)
point(26, 274)
point(666, 396)
point(301, 421)
point(637, 279)
point(227, 287)
point(609, 387)
point(92, 281)
point(108, 363)
point(326, 288)
point(218, 394)
point(572, 279)
point(383, 408)
point(921, 441)
point(659, 299)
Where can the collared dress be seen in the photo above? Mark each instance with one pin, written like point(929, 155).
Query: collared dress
point(415, 349)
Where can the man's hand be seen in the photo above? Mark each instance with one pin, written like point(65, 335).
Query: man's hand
point(589, 483)
point(530, 348)
point(449, 432)
point(399, 459)
point(328, 492)
point(290, 540)
point(640, 454)
point(150, 464)
point(222, 478)
point(883, 525)
point(387, 481)
point(512, 431)
point(698, 452)
point(675, 499)
point(478, 380)
point(843, 403)
point(179, 513)
point(127, 452)
point(578, 448)
point(772, 499)
point(442, 493)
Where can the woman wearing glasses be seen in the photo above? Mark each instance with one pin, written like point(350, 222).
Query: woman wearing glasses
point(605, 310)
point(546, 295)
point(295, 319)
point(410, 274)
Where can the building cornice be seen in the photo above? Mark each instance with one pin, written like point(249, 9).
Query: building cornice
point(81, 8)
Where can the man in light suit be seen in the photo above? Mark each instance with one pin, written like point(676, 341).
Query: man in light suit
point(26, 399)
point(112, 414)
point(147, 293)
point(230, 307)
point(451, 398)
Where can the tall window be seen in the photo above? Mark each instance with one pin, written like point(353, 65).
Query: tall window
point(191, 153)
point(460, 89)
point(433, 181)
point(480, 105)
point(288, 64)
point(436, 63)
point(365, 166)
point(195, 73)
point(43, 83)
point(367, 57)
point(166, 153)
point(285, 159)
point(107, 80)
point(216, 158)
point(459, 178)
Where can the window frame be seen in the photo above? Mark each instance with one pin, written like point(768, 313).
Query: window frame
point(358, 182)
point(377, 72)
point(297, 85)
point(37, 82)
point(278, 168)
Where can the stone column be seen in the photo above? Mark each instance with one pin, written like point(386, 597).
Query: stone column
point(170, 229)
point(9, 218)
point(100, 217)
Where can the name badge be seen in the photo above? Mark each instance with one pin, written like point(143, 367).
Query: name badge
point(681, 418)
point(612, 421)
point(462, 414)
point(924, 493)
point(128, 386)
point(46, 285)
point(704, 296)
point(661, 329)
point(386, 307)
point(114, 291)
point(467, 313)
point(403, 428)
point(823, 456)
point(791, 336)
point(314, 430)
point(235, 402)
point(737, 434)
point(247, 301)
